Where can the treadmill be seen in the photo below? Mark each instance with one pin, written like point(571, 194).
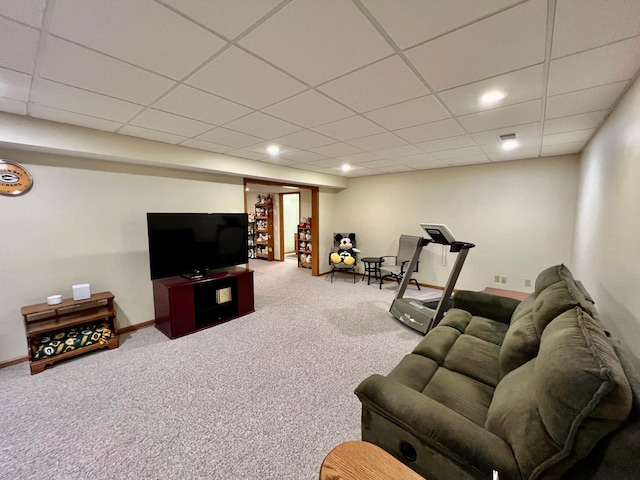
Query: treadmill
point(419, 315)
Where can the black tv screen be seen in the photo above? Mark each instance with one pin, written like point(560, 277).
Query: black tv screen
point(192, 243)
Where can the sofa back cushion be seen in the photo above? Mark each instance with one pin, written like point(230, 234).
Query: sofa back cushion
point(555, 408)
point(556, 292)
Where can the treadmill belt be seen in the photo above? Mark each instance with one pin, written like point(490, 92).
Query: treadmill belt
point(433, 304)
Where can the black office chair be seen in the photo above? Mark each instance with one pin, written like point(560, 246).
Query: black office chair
point(344, 257)
point(406, 248)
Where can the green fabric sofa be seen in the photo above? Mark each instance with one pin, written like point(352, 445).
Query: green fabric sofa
point(534, 390)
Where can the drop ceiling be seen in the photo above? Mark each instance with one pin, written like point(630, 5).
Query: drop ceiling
point(384, 86)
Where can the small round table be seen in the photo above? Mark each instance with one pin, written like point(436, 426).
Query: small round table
point(363, 461)
point(371, 265)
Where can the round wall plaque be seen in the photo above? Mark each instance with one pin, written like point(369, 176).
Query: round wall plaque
point(14, 179)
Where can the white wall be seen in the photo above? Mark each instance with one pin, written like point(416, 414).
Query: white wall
point(520, 215)
point(89, 225)
point(606, 251)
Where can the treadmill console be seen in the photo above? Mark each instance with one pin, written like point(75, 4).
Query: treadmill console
point(439, 233)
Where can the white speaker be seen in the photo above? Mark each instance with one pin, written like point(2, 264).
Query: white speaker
point(81, 291)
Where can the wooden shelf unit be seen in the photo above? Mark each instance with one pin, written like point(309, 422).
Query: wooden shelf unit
point(42, 318)
point(302, 242)
point(264, 228)
point(251, 237)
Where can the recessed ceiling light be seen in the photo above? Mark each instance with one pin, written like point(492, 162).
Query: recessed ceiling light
point(273, 150)
point(345, 167)
point(492, 97)
point(290, 186)
point(509, 144)
point(246, 189)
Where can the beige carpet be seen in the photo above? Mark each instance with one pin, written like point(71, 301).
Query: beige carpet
point(265, 396)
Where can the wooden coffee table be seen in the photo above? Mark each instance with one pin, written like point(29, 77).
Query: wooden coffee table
point(363, 461)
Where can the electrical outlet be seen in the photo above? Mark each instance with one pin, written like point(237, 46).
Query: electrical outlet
point(496, 278)
point(527, 282)
point(503, 279)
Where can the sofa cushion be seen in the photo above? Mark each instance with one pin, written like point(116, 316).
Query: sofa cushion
point(556, 292)
point(549, 276)
point(414, 371)
point(520, 344)
point(437, 343)
point(554, 409)
point(487, 329)
point(475, 358)
point(462, 394)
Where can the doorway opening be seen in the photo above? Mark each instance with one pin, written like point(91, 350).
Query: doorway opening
point(283, 198)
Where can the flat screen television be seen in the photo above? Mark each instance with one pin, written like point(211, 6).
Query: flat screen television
point(190, 244)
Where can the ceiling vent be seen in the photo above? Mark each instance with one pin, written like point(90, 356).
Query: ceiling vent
point(508, 136)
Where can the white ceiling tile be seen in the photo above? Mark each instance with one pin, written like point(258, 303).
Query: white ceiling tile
point(583, 121)
point(326, 163)
point(248, 154)
point(416, 21)
point(379, 163)
point(397, 168)
point(424, 164)
point(224, 17)
point(143, 32)
point(234, 139)
point(378, 142)
point(72, 65)
point(396, 152)
point(245, 79)
point(309, 109)
point(336, 150)
point(583, 101)
point(262, 125)
point(608, 64)
point(519, 114)
point(14, 85)
point(526, 135)
point(305, 139)
point(520, 86)
point(507, 41)
point(446, 143)
point(383, 83)
point(567, 137)
point(458, 153)
point(286, 162)
point(13, 106)
point(496, 154)
point(190, 102)
point(581, 25)
point(302, 156)
point(317, 41)
point(72, 118)
point(208, 146)
point(134, 131)
point(562, 149)
point(406, 114)
point(71, 99)
point(11, 35)
point(348, 128)
point(25, 11)
point(467, 160)
point(261, 148)
point(169, 123)
point(431, 131)
point(360, 157)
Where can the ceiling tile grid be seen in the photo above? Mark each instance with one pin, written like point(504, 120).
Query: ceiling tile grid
point(382, 86)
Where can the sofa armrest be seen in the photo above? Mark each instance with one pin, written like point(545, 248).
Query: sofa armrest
point(439, 427)
point(485, 305)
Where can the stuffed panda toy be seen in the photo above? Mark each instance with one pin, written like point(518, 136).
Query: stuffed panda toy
point(346, 253)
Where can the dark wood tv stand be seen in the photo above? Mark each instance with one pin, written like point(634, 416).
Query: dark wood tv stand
point(183, 305)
